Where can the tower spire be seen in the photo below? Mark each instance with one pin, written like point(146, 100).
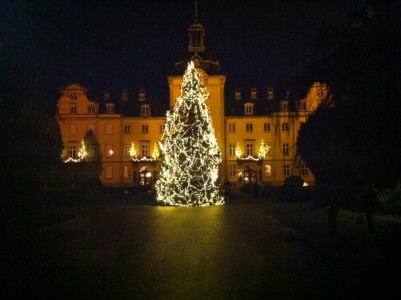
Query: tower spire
point(196, 10)
point(196, 34)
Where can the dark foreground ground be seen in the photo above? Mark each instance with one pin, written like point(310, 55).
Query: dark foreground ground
point(251, 249)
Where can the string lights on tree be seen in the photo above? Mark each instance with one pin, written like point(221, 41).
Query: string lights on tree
point(189, 149)
point(82, 153)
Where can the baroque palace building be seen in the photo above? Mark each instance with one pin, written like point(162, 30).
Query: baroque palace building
point(117, 139)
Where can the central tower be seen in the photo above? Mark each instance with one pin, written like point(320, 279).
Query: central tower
point(210, 75)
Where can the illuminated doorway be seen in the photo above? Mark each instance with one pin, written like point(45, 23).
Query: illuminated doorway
point(145, 176)
point(250, 176)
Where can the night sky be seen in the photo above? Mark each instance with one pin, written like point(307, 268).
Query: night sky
point(134, 44)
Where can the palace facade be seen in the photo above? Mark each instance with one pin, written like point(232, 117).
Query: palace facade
point(117, 139)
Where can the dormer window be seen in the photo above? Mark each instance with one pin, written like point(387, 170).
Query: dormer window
point(110, 108)
point(73, 109)
point(254, 93)
point(91, 109)
point(145, 110)
point(237, 94)
point(142, 95)
point(302, 105)
point(283, 105)
point(248, 109)
point(270, 93)
point(74, 97)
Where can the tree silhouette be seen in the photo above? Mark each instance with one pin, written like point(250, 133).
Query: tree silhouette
point(354, 141)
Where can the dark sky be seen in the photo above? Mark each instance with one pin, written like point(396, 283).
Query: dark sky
point(133, 44)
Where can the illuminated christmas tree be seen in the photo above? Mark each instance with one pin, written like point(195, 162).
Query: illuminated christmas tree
point(190, 152)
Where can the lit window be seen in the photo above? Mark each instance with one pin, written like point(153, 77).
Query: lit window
point(73, 109)
point(286, 149)
point(266, 127)
point(109, 128)
point(109, 150)
point(285, 126)
point(145, 128)
point(145, 110)
point(283, 106)
point(110, 108)
point(127, 128)
point(73, 129)
point(286, 170)
point(248, 108)
point(249, 127)
point(231, 127)
point(269, 149)
point(127, 150)
point(268, 170)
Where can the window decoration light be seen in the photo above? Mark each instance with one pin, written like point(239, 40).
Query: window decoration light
point(134, 156)
point(190, 152)
point(263, 151)
point(82, 153)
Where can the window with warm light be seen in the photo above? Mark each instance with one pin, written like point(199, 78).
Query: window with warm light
point(145, 110)
point(127, 148)
point(268, 170)
point(110, 108)
point(248, 108)
point(127, 172)
point(109, 150)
